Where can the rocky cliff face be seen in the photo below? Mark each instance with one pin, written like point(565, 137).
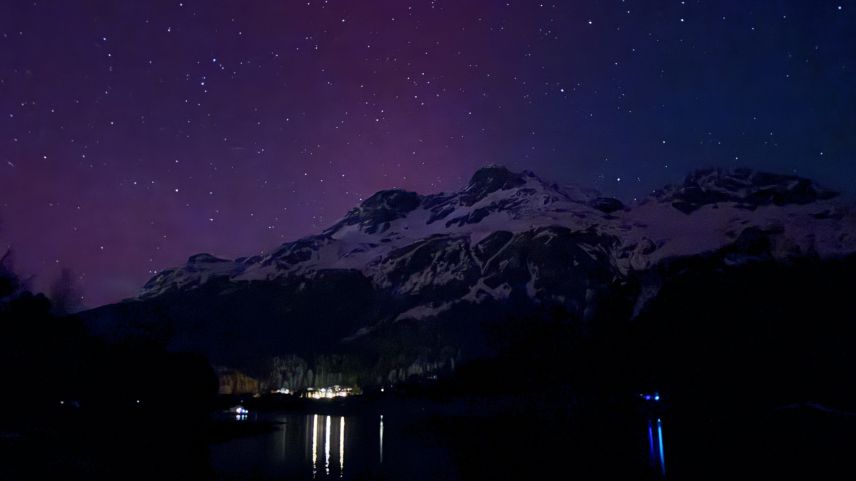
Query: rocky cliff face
point(507, 243)
point(234, 382)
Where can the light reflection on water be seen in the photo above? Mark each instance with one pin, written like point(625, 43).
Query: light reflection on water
point(327, 447)
point(656, 455)
point(329, 444)
point(341, 446)
point(313, 446)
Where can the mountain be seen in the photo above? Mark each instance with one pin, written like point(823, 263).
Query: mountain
point(408, 281)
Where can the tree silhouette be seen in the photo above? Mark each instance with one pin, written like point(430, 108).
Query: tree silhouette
point(9, 282)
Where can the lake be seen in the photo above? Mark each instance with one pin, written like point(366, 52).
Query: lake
point(405, 446)
point(317, 446)
point(796, 441)
point(463, 441)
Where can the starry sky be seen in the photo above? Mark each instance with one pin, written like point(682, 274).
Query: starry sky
point(134, 134)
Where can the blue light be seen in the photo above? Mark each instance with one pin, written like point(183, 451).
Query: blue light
point(660, 439)
point(657, 397)
point(651, 454)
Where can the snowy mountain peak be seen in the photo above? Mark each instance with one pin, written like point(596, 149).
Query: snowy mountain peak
point(746, 187)
point(204, 258)
point(376, 212)
point(408, 243)
point(494, 177)
point(392, 199)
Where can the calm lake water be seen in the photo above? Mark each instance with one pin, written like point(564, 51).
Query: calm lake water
point(404, 447)
point(320, 446)
point(786, 443)
point(465, 442)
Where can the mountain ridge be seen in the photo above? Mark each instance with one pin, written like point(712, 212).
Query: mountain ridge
point(442, 265)
point(497, 199)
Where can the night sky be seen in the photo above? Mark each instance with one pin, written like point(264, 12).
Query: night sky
point(134, 134)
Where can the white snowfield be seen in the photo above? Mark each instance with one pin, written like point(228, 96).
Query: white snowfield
point(800, 218)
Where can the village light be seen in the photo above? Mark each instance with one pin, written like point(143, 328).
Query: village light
point(328, 392)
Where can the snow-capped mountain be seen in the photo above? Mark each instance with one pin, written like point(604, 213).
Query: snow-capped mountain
point(409, 242)
point(506, 241)
point(494, 200)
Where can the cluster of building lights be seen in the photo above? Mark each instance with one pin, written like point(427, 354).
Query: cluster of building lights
point(328, 392)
